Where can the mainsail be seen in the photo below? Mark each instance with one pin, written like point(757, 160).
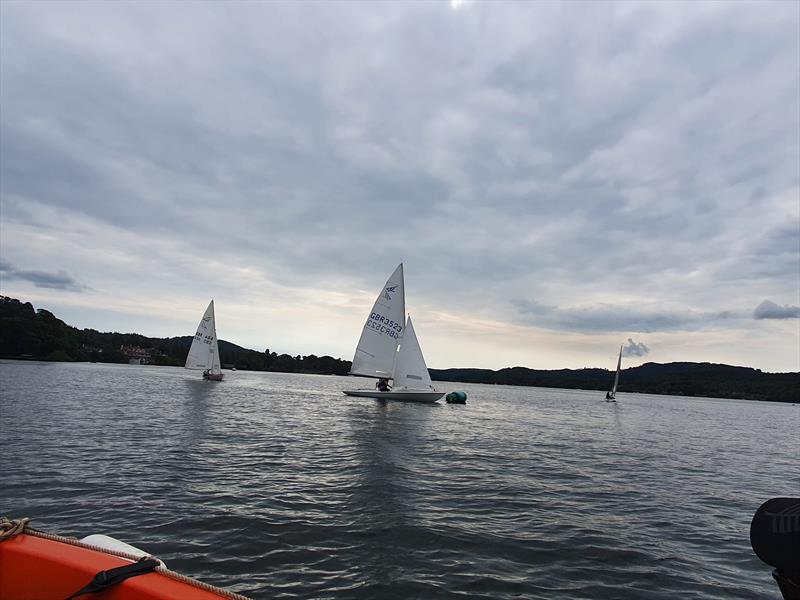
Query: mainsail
point(410, 370)
point(204, 353)
point(616, 377)
point(377, 347)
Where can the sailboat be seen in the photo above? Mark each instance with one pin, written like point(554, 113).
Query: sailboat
point(389, 349)
point(204, 353)
point(610, 396)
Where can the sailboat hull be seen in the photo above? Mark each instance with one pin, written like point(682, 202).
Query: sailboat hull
point(213, 376)
point(401, 395)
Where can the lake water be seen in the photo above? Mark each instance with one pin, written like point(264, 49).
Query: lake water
point(278, 486)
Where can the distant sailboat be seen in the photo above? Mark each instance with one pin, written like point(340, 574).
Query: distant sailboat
point(389, 350)
point(610, 396)
point(204, 353)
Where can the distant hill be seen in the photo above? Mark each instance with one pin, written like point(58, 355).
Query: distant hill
point(38, 334)
point(29, 333)
point(676, 379)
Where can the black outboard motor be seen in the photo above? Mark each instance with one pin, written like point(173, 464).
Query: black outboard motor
point(775, 537)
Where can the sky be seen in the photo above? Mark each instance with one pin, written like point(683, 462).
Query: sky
point(557, 178)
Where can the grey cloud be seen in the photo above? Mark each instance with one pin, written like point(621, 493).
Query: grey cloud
point(483, 146)
point(769, 310)
point(611, 317)
point(635, 349)
point(42, 279)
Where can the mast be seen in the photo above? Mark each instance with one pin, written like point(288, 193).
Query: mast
point(213, 340)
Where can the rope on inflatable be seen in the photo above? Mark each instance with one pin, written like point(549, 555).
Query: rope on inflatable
point(13, 527)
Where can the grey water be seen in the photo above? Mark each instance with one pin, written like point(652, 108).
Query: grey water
point(278, 486)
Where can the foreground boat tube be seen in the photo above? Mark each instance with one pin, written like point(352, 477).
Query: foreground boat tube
point(36, 565)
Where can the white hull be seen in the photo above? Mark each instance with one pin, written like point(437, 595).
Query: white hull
point(402, 395)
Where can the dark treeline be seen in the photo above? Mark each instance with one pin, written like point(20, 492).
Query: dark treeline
point(38, 334)
point(29, 333)
point(674, 379)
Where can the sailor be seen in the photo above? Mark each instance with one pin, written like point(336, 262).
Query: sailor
point(383, 385)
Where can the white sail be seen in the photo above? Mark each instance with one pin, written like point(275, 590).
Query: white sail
point(216, 368)
point(616, 377)
point(204, 343)
point(377, 347)
point(410, 370)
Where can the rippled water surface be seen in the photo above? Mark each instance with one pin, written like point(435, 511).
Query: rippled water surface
point(278, 486)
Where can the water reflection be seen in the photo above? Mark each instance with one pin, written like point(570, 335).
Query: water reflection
point(617, 420)
point(385, 436)
point(197, 393)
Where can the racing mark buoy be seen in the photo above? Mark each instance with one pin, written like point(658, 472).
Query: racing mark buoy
point(456, 398)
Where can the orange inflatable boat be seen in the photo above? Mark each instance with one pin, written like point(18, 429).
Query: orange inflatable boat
point(39, 566)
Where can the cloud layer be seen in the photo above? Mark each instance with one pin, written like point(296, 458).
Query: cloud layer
point(770, 310)
point(597, 168)
point(56, 281)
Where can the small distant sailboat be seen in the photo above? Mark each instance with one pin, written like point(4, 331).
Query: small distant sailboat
point(389, 349)
point(611, 395)
point(204, 353)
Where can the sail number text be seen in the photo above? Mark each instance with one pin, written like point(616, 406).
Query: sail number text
point(206, 339)
point(384, 325)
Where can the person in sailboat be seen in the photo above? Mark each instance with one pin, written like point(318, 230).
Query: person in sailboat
point(383, 385)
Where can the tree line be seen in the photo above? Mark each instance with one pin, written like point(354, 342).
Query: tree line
point(38, 334)
point(673, 379)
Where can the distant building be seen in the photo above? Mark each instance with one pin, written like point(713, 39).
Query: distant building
point(137, 355)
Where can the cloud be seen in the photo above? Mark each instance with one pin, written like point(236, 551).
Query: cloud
point(607, 317)
point(314, 146)
point(769, 310)
point(635, 349)
point(42, 279)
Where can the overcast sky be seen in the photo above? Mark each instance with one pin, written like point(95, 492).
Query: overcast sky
point(558, 179)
